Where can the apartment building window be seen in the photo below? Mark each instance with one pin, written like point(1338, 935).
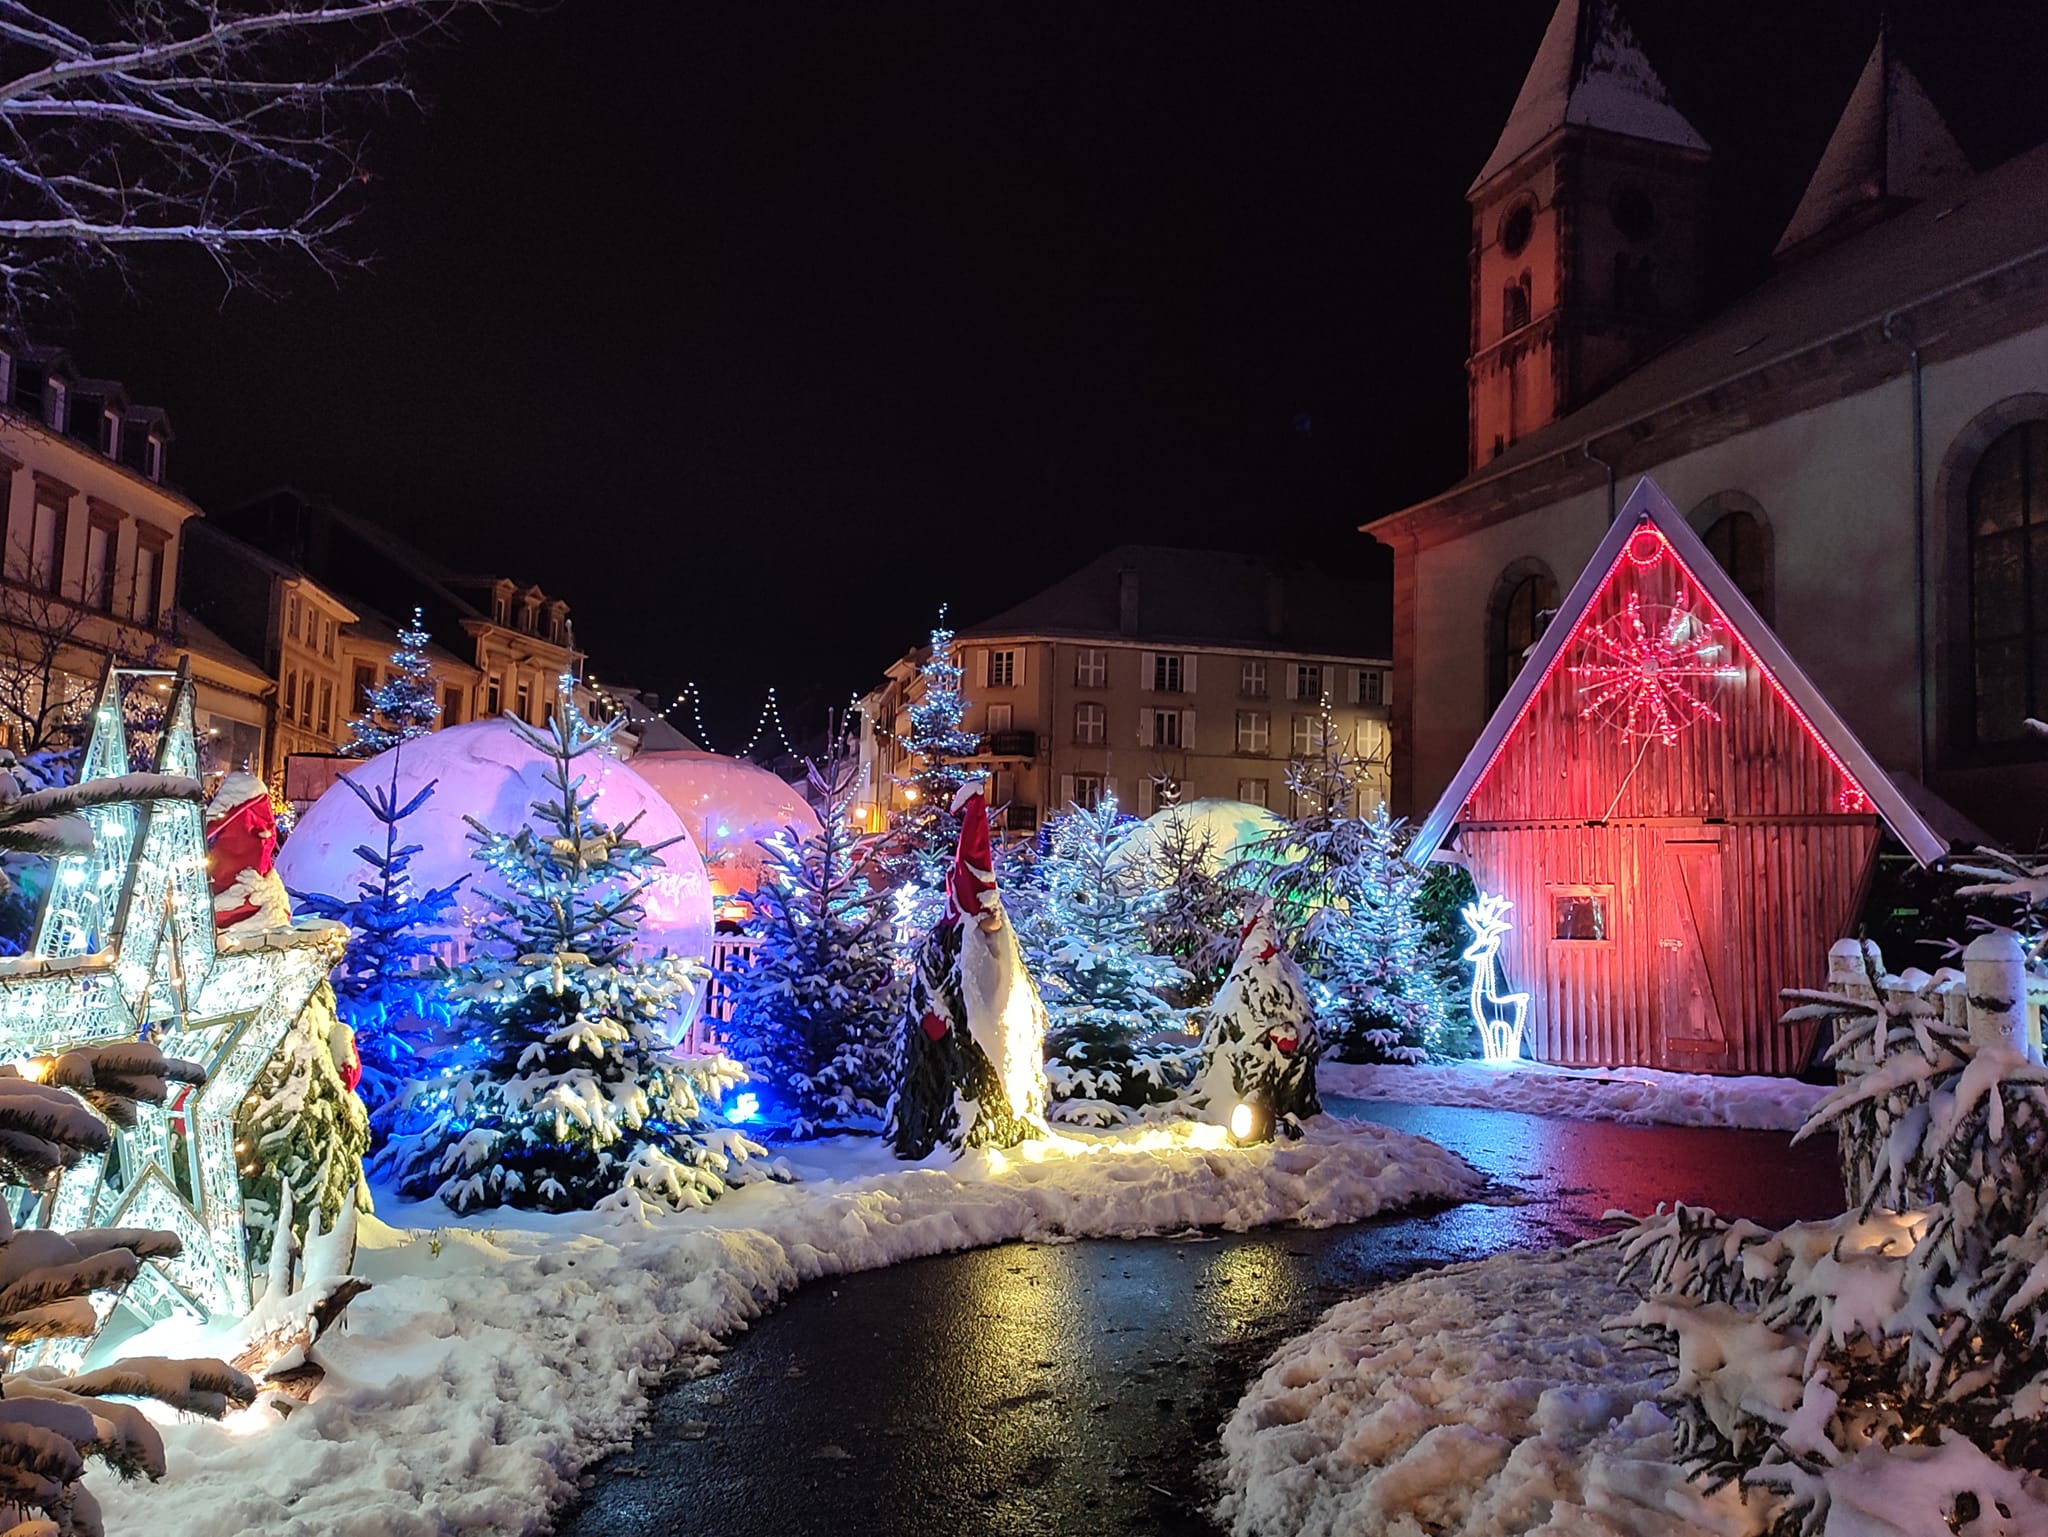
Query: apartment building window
point(1088, 791)
point(100, 535)
point(291, 695)
point(1165, 728)
point(494, 697)
point(1000, 716)
point(1002, 669)
point(110, 434)
point(291, 616)
point(327, 638)
point(1305, 681)
point(1252, 792)
point(523, 700)
point(451, 706)
point(1251, 678)
point(1310, 735)
point(1091, 667)
point(1254, 731)
point(46, 539)
point(366, 679)
point(153, 458)
point(54, 402)
point(326, 708)
point(1372, 685)
point(1169, 672)
point(1090, 727)
point(149, 573)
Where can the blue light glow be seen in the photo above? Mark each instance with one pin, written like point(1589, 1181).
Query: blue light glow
point(745, 1107)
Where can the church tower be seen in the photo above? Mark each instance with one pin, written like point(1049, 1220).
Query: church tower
point(1586, 226)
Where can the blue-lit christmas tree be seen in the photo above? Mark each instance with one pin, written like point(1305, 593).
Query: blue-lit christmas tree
point(407, 706)
point(569, 1096)
point(815, 1015)
point(1087, 946)
point(387, 988)
point(927, 829)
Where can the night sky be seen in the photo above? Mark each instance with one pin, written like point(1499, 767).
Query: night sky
point(755, 330)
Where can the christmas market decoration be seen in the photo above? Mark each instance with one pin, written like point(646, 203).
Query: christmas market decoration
point(1256, 1070)
point(405, 705)
point(126, 950)
point(972, 1048)
point(1680, 821)
point(241, 855)
point(730, 808)
point(815, 1012)
point(563, 1094)
point(1497, 1015)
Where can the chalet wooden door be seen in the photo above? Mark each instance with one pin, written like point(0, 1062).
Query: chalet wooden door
point(1691, 925)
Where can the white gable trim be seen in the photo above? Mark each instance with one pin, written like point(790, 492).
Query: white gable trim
point(1648, 504)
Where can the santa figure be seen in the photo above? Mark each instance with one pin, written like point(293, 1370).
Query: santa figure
point(973, 1053)
point(1260, 1047)
point(241, 856)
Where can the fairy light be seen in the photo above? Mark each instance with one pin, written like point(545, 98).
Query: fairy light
point(771, 715)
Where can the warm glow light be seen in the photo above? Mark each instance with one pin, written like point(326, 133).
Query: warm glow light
point(910, 792)
point(1242, 1121)
point(1497, 1014)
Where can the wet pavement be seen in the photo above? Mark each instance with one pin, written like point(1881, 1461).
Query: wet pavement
point(1075, 1390)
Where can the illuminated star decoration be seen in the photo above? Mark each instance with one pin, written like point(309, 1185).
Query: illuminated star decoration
point(125, 950)
point(1651, 671)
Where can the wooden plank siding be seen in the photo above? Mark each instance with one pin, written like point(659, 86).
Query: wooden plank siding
point(1743, 837)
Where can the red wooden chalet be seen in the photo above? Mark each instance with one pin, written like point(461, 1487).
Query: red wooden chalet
point(1682, 822)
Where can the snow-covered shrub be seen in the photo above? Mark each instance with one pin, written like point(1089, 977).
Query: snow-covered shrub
point(1905, 1340)
point(303, 1126)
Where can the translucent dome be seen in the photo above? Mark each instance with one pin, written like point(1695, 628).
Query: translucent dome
point(729, 805)
point(1231, 827)
point(488, 771)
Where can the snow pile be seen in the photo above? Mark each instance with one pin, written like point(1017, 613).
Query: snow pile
point(487, 1367)
point(1634, 1096)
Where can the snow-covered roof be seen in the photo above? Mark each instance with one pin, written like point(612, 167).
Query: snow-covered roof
point(1591, 73)
point(1891, 142)
point(1647, 504)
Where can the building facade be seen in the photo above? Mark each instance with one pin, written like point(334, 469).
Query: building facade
point(1153, 676)
point(89, 572)
point(1862, 441)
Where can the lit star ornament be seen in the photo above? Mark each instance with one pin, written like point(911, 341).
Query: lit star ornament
point(125, 949)
point(1654, 669)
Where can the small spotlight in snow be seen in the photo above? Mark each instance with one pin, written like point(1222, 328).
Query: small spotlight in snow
point(1241, 1122)
point(745, 1107)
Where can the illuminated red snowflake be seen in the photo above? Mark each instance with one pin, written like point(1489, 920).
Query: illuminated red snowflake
point(1652, 670)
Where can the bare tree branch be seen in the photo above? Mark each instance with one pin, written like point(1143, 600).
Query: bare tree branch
point(231, 125)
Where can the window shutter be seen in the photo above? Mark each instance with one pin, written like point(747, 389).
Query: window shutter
point(1145, 727)
point(1187, 672)
point(1187, 731)
point(1066, 793)
point(1356, 690)
point(1293, 680)
point(1145, 672)
point(1146, 790)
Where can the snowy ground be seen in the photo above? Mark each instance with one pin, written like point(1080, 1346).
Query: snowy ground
point(1483, 1401)
point(488, 1366)
point(1636, 1096)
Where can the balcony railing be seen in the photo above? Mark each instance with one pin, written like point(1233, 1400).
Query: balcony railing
point(1020, 818)
point(1010, 744)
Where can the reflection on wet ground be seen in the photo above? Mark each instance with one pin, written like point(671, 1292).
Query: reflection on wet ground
point(1075, 1389)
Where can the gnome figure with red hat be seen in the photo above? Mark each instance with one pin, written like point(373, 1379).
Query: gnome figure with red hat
point(973, 1050)
point(1260, 1046)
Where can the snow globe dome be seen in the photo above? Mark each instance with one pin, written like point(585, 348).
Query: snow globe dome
point(487, 770)
point(1231, 828)
point(729, 805)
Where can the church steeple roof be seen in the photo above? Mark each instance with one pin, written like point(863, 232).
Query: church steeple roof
point(1589, 72)
point(1890, 145)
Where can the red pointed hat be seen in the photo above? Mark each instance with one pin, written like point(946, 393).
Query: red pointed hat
point(971, 888)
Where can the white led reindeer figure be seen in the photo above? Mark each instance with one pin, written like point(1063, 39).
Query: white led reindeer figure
point(1498, 1015)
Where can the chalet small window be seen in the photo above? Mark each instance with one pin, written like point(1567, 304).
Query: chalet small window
point(1580, 914)
point(1252, 791)
point(1254, 732)
point(1089, 726)
point(1514, 305)
point(1091, 667)
point(1002, 669)
point(2008, 533)
point(1251, 678)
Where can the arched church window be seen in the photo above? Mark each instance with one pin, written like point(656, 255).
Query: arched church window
point(1523, 600)
point(2008, 566)
point(1733, 528)
point(1514, 310)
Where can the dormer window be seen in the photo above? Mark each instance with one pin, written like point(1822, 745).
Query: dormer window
point(501, 609)
point(55, 399)
point(110, 434)
point(153, 457)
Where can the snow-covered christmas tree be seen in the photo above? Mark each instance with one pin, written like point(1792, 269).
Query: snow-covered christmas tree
point(972, 1054)
point(302, 1125)
point(815, 1014)
point(1089, 950)
point(1259, 1047)
point(387, 987)
point(405, 706)
point(569, 1096)
point(921, 842)
point(1198, 913)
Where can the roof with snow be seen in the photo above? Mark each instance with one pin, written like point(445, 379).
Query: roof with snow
point(1589, 73)
point(1208, 597)
point(1648, 508)
point(1891, 143)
